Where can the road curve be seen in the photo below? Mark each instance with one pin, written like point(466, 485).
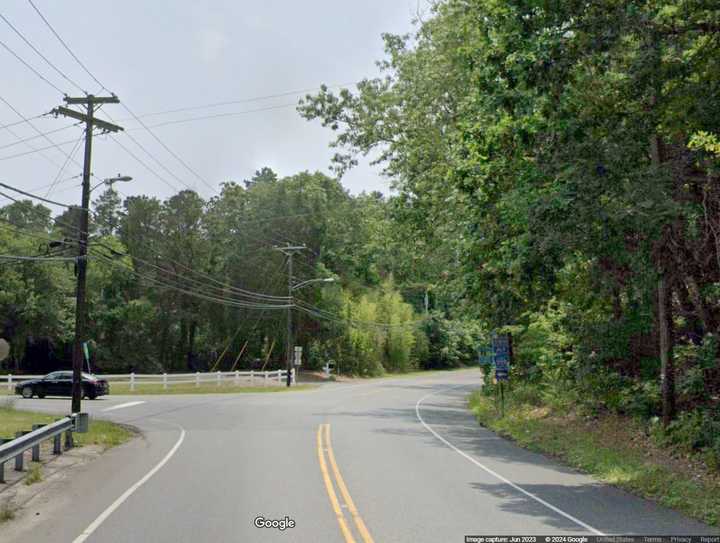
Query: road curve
point(391, 460)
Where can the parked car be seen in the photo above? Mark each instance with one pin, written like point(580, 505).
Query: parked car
point(59, 383)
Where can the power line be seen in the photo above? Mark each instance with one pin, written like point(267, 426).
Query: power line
point(217, 116)
point(37, 150)
point(144, 164)
point(225, 286)
point(22, 37)
point(164, 146)
point(29, 67)
point(62, 181)
point(65, 45)
point(31, 138)
point(226, 301)
point(39, 258)
point(21, 122)
point(18, 230)
point(327, 315)
point(241, 101)
point(64, 165)
point(37, 130)
point(25, 121)
point(282, 302)
point(67, 48)
point(30, 195)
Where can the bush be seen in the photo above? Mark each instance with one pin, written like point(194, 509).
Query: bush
point(642, 399)
point(527, 394)
point(697, 430)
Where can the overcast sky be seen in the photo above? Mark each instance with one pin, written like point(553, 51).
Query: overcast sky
point(167, 54)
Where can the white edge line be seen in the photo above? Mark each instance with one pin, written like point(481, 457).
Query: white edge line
point(123, 405)
point(94, 525)
point(493, 473)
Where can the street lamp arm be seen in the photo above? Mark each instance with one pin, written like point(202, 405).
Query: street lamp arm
point(111, 180)
point(309, 281)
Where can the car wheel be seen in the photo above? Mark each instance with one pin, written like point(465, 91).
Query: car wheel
point(27, 392)
point(92, 395)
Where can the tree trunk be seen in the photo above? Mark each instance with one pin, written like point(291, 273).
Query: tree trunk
point(701, 308)
point(667, 367)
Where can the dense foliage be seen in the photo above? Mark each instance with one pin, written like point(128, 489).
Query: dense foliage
point(169, 280)
point(566, 154)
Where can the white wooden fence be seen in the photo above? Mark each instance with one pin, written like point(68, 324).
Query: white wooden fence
point(136, 380)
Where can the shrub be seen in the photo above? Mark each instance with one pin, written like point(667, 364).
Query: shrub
point(697, 430)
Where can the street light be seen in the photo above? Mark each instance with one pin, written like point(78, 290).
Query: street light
point(292, 288)
point(110, 180)
point(307, 282)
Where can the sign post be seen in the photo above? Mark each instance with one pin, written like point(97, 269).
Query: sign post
point(502, 353)
point(297, 361)
point(86, 351)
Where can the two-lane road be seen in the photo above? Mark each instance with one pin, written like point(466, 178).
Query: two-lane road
point(392, 460)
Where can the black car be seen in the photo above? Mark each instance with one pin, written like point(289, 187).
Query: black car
point(59, 383)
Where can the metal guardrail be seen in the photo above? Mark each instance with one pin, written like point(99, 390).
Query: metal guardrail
point(24, 441)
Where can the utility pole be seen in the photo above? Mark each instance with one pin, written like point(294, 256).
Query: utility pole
point(289, 251)
point(90, 102)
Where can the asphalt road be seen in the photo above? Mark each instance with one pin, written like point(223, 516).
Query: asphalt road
point(392, 460)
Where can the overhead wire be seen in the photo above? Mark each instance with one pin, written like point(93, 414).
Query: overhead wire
point(24, 258)
point(35, 196)
point(257, 322)
point(144, 164)
point(216, 116)
point(305, 307)
point(31, 138)
point(103, 87)
point(321, 313)
point(69, 157)
point(29, 67)
point(242, 101)
point(65, 45)
point(54, 145)
point(60, 182)
point(48, 62)
point(32, 125)
point(225, 287)
point(223, 301)
point(9, 125)
point(170, 151)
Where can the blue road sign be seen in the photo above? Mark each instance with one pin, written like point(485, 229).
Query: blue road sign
point(501, 356)
point(485, 355)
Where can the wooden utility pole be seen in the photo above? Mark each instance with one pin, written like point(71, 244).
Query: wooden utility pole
point(290, 251)
point(91, 122)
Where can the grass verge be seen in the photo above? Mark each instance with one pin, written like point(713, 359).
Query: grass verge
point(7, 512)
point(613, 449)
point(34, 474)
point(190, 388)
point(102, 433)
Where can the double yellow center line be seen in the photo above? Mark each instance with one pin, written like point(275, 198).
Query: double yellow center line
point(324, 446)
